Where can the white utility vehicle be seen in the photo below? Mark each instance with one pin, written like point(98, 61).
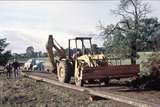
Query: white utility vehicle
point(34, 64)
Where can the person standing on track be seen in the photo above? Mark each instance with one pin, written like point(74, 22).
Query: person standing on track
point(15, 68)
point(8, 68)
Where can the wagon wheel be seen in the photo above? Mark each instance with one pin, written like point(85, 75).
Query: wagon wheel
point(78, 80)
point(106, 81)
point(64, 72)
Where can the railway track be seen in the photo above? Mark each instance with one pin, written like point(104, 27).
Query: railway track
point(118, 93)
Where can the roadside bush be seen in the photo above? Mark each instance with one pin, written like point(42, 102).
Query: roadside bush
point(149, 76)
point(151, 66)
point(4, 55)
point(4, 58)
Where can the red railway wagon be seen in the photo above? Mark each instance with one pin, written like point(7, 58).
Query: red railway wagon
point(110, 72)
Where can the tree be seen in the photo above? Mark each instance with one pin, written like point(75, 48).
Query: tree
point(30, 51)
point(150, 33)
point(95, 48)
point(129, 27)
point(4, 55)
point(3, 44)
point(118, 43)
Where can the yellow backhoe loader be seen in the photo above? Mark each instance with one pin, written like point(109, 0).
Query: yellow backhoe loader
point(84, 65)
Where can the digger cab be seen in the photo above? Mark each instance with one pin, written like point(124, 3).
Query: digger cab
point(82, 46)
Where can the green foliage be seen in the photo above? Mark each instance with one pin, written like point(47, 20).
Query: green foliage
point(4, 56)
point(3, 44)
point(152, 66)
point(118, 42)
point(30, 51)
point(97, 50)
point(149, 36)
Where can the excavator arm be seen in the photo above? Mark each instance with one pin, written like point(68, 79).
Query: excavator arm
point(52, 43)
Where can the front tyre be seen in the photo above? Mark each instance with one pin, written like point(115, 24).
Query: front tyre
point(64, 71)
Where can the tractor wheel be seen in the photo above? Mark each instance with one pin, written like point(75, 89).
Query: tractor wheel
point(64, 72)
point(78, 81)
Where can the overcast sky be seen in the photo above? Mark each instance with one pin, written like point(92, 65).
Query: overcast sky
point(26, 23)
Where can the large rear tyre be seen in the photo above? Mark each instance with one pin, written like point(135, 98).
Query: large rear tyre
point(64, 71)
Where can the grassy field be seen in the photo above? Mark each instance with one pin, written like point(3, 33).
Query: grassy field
point(143, 56)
